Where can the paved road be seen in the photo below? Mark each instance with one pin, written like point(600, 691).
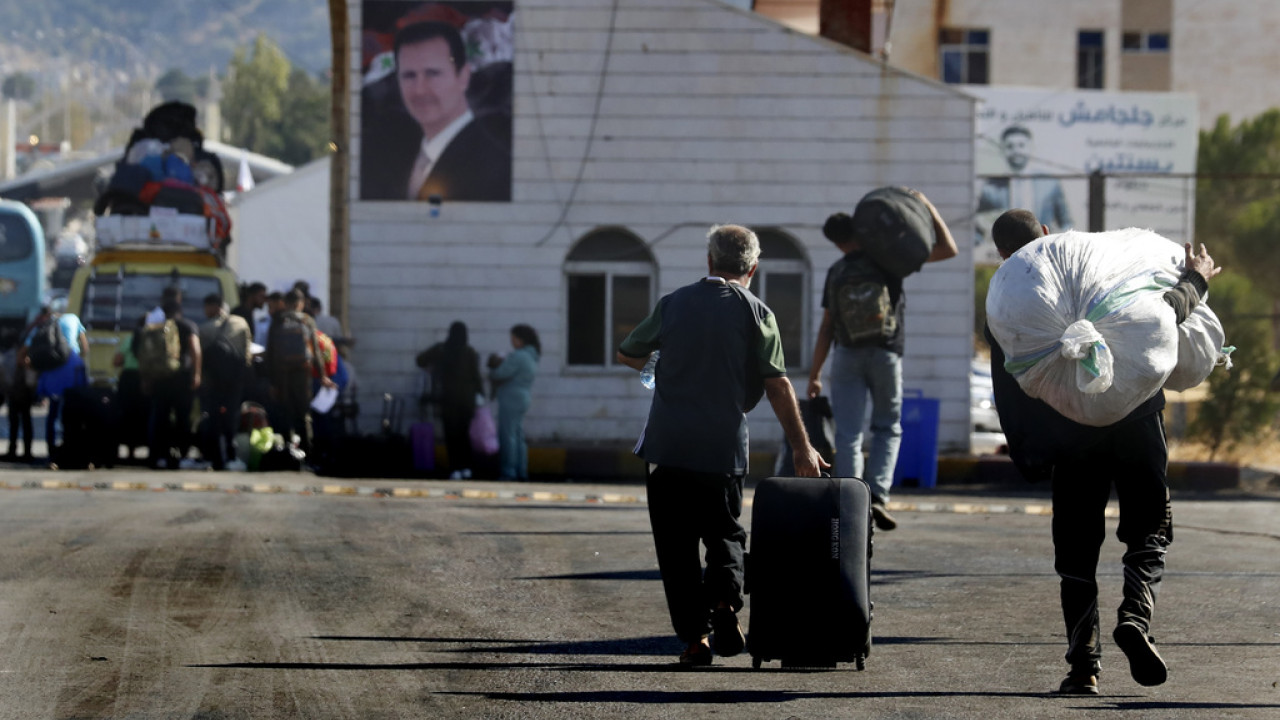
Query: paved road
point(180, 604)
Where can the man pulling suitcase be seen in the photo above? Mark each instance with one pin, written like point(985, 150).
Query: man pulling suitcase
point(720, 353)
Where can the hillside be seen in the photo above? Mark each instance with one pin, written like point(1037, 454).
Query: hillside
point(147, 37)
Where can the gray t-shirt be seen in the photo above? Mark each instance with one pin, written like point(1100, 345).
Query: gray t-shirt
point(717, 340)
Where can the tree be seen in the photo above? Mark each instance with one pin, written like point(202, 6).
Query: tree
point(273, 108)
point(1239, 406)
point(304, 119)
point(19, 86)
point(253, 97)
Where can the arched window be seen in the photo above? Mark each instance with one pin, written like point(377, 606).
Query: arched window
point(783, 283)
point(609, 274)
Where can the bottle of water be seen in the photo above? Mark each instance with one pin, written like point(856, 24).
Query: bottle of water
point(647, 378)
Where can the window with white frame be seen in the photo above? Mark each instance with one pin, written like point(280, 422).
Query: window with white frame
point(609, 276)
point(964, 55)
point(782, 282)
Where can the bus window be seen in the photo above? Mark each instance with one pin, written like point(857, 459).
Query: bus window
point(16, 242)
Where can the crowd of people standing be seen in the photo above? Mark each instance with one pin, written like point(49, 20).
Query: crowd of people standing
point(268, 354)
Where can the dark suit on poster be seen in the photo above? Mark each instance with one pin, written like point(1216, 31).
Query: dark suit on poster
point(475, 166)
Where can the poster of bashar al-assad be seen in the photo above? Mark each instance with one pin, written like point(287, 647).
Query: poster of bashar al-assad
point(435, 110)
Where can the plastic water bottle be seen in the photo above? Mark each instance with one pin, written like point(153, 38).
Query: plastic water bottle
point(647, 377)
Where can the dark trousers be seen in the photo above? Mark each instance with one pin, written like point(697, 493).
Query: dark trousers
point(20, 424)
point(293, 398)
point(170, 424)
point(457, 435)
point(220, 408)
point(1132, 458)
point(686, 507)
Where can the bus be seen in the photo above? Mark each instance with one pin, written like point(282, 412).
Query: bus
point(23, 283)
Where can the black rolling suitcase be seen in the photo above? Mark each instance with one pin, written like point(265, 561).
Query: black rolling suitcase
point(809, 572)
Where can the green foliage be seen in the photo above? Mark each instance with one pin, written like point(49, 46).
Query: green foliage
point(1237, 216)
point(19, 86)
point(273, 108)
point(1239, 406)
point(982, 275)
point(251, 101)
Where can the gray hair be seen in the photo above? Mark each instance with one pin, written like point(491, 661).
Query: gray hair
point(733, 249)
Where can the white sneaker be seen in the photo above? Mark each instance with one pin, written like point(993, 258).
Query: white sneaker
point(466, 473)
point(455, 475)
point(237, 466)
point(192, 464)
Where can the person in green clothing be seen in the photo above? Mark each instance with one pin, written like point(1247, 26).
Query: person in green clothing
point(512, 379)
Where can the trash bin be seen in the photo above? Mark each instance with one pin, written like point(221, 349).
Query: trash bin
point(918, 454)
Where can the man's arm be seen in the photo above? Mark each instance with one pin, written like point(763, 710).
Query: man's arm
point(1194, 283)
point(820, 351)
point(944, 245)
point(783, 400)
point(631, 362)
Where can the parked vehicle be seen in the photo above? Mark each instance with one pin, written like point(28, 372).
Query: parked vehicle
point(22, 270)
point(122, 284)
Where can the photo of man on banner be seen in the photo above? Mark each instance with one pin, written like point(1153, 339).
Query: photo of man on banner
point(436, 101)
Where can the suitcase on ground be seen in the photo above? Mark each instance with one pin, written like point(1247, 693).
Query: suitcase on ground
point(90, 428)
point(422, 436)
point(809, 572)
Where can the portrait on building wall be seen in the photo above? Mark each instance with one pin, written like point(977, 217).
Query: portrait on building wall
point(436, 105)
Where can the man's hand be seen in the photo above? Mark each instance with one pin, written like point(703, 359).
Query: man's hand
point(1201, 262)
point(809, 463)
point(328, 383)
point(815, 389)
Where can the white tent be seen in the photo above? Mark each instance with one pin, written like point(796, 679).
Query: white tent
point(280, 231)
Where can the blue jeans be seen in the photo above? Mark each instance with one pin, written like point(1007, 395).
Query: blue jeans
point(854, 373)
point(513, 453)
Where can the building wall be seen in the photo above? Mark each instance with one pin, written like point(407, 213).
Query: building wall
point(690, 113)
point(1223, 51)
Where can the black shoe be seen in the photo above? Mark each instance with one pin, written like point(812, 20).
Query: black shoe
point(726, 632)
point(1079, 684)
point(882, 518)
point(700, 657)
point(1145, 664)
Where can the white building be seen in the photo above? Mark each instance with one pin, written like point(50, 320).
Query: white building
point(638, 124)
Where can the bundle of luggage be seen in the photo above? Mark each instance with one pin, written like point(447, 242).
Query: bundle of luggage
point(1084, 326)
point(168, 177)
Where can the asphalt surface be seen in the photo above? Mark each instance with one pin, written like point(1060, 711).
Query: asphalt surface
point(202, 595)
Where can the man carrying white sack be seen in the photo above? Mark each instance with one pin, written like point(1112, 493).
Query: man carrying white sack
point(1084, 462)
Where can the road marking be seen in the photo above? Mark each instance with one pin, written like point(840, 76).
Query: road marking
point(453, 492)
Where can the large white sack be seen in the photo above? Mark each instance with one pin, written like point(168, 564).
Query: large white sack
point(1084, 327)
point(1200, 348)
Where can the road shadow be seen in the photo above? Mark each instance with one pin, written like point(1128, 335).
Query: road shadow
point(1173, 705)
point(627, 575)
point(721, 697)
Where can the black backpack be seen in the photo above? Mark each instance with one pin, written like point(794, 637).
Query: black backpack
point(49, 349)
point(222, 361)
point(291, 342)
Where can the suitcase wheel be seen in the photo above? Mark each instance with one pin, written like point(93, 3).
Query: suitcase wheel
point(756, 662)
point(860, 662)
